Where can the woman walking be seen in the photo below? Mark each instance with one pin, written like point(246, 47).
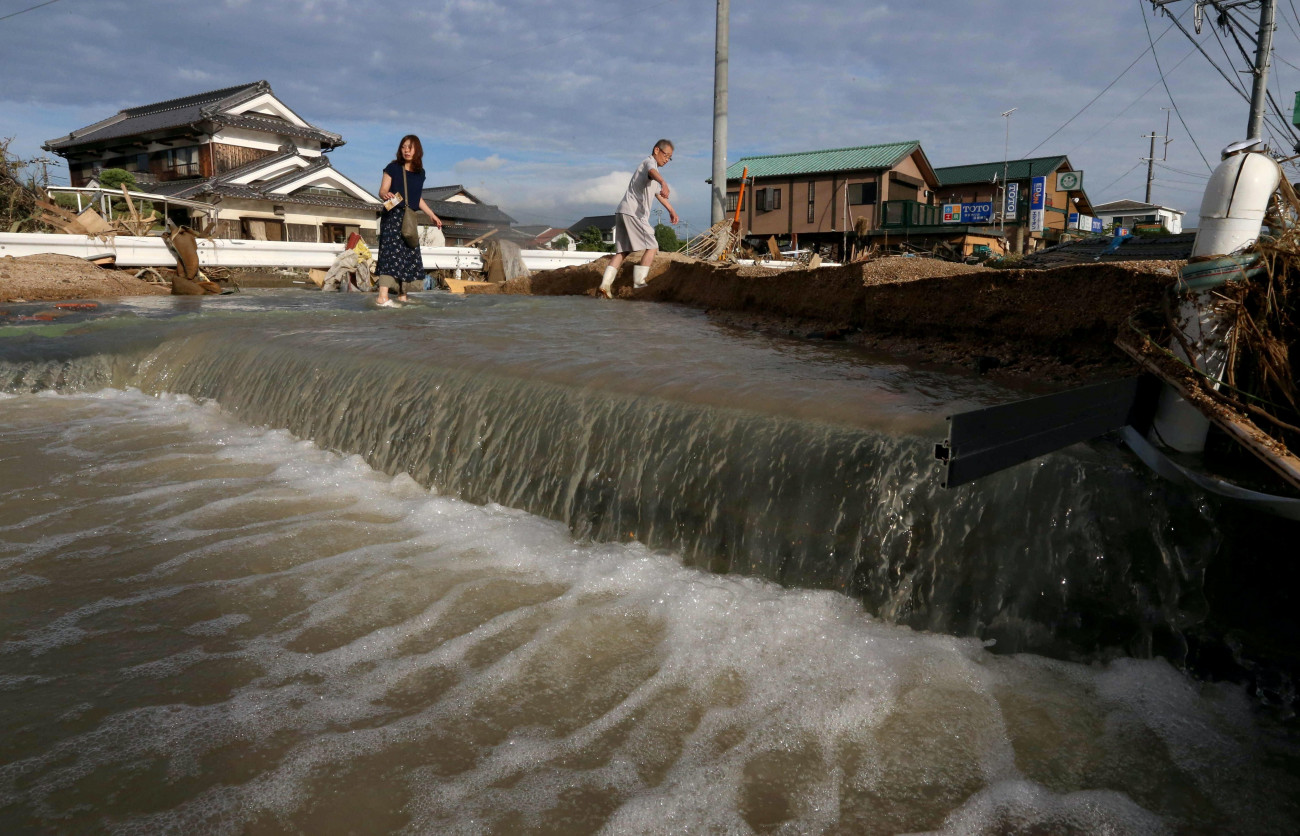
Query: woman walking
point(398, 262)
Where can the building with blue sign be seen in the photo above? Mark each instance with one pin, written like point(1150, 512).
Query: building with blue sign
point(1027, 227)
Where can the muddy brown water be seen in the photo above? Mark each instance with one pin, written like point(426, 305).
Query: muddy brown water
point(285, 562)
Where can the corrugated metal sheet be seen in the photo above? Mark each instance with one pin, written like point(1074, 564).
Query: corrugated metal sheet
point(816, 162)
point(957, 175)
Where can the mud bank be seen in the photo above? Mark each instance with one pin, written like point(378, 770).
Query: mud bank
point(1057, 324)
point(35, 278)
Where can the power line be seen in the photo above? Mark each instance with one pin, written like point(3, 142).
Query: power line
point(1121, 177)
point(1180, 171)
point(28, 9)
point(1130, 104)
point(1099, 95)
point(1163, 81)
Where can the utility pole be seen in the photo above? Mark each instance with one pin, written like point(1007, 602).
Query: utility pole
point(1263, 56)
point(721, 57)
point(1151, 160)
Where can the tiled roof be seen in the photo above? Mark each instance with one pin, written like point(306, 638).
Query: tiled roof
point(188, 110)
point(441, 192)
point(816, 162)
point(222, 185)
point(602, 222)
point(957, 175)
point(481, 212)
point(1116, 206)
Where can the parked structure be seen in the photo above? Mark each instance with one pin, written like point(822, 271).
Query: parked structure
point(978, 196)
point(240, 148)
point(465, 218)
point(1138, 216)
point(825, 197)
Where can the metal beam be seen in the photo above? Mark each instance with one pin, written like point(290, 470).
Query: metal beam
point(984, 441)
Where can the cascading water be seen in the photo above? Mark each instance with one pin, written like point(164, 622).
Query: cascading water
point(270, 623)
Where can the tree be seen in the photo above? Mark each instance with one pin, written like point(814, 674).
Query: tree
point(116, 178)
point(590, 241)
point(560, 242)
point(667, 238)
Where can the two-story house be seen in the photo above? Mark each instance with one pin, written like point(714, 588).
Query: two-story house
point(826, 197)
point(240, 148)
point(1004, 189)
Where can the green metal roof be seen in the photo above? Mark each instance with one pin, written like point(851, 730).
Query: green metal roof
point(956, 175)
point(816, 162)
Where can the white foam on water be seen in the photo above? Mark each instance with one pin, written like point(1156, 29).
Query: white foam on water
point(282, 637)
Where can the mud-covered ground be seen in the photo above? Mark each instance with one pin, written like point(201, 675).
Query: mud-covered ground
point(35, 278)
point(1053, 325)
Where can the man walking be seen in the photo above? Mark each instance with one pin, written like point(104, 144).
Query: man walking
point(632, 230)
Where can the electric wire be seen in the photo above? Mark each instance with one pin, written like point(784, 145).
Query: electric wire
point(1180, 171)
point(1144, 94)
point(1121, 177)
point(1102, 93)
point(28, 9)
point(1177, 112)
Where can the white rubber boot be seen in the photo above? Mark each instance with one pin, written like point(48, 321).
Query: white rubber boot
point(607, 282)
point(639, 274)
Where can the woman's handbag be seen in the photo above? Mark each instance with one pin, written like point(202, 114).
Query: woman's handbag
point(410, 222)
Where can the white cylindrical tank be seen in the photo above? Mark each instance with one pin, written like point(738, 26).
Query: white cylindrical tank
point(1232, 212)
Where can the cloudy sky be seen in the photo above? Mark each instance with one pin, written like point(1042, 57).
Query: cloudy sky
point(545, 107)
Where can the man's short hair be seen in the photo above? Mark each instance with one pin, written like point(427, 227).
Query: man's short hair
point(664, 145)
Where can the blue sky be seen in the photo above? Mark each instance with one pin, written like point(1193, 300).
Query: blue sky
point(545, 107)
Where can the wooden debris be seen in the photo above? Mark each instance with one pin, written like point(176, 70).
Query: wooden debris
point(459, 285)
point(1237, 425)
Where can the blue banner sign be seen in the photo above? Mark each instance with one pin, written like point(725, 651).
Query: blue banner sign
point(1013, 200)
point(968, 213)
point(1037, 203)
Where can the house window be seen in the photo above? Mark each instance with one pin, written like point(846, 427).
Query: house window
point(862, 194)
point(812, 201)
point(733, 198)
point(765, 200)
point(182, 162)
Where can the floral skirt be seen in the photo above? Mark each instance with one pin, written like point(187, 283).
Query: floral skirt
point(395, 258)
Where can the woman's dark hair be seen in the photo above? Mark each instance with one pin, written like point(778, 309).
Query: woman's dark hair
point(417, 161)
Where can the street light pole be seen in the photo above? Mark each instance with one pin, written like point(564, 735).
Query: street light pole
point(1006, 165)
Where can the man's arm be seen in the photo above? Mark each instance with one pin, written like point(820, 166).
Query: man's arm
point(658, 178)
point(672, 214)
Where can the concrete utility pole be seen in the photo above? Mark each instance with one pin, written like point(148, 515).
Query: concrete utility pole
point(721, 54)
point(1151, 160)
point(1263, 56)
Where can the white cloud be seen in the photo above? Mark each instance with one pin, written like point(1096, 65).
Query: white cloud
point(607, 189)
point(491, 163)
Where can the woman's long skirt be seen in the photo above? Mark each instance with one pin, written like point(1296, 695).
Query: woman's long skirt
point(395, 258)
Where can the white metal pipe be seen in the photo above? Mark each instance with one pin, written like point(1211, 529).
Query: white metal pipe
point(1232, 212)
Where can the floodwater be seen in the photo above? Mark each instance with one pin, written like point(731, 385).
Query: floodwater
point(285, 563)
